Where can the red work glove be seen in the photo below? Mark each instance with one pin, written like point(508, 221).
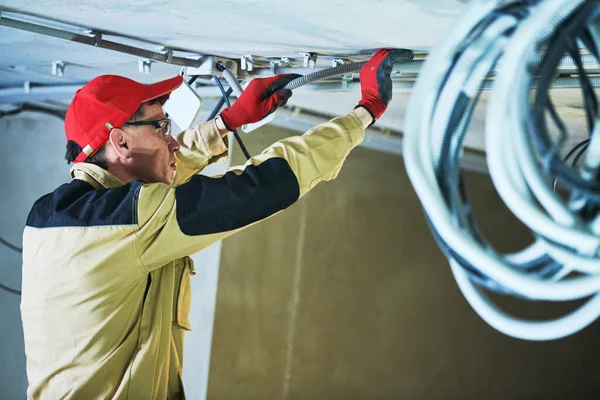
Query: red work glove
point(375, 81)
point(261, 98)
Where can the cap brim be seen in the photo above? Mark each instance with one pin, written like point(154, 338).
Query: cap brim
point(158, 89)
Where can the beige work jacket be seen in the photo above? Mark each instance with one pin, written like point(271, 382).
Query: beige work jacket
point(106, 273)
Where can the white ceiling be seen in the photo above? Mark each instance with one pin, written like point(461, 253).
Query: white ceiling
point(265, 27)
point(229, 28)
point(235, 28)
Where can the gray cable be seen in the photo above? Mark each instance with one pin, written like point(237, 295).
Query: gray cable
point(339, 70)
point(325, 73)
point(318, 75)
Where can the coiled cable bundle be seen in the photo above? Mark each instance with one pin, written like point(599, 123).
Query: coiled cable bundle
point(523, 158)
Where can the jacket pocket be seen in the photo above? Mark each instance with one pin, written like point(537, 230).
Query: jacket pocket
point(183, 293)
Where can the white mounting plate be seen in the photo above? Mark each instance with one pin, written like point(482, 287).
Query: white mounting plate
point(183, 106)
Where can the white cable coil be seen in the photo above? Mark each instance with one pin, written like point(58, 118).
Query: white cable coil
point(454, 71)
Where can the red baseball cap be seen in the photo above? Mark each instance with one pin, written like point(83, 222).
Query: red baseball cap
point(105, 102)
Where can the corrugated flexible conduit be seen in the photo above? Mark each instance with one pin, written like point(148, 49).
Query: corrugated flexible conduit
point(319, 74)
point(407, 56)
point(313, 77)
point(231, 80)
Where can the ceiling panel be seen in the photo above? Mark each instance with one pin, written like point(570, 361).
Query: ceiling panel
point(234, 28)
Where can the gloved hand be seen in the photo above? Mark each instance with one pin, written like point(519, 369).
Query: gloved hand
point(375, 81)
point(261, 98)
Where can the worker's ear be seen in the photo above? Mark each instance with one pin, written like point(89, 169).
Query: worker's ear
point(118, 140)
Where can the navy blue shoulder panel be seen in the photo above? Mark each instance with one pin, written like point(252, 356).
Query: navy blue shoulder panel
point(78, 204)
point(211, 205)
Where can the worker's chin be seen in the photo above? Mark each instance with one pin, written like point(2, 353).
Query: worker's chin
point(169, 178)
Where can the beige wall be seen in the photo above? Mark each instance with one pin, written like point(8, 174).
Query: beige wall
point(346, 296)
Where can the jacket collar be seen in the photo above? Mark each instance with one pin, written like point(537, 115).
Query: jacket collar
point(98, 177)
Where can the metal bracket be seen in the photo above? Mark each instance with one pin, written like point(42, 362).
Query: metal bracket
point(310, 60)
point(337, 61)
point(58, 68)
point(208, 66)
point(167, 52)
point(145, 66)
point(285, 62)
point(347, 78)
point(97, 36)
point(247, 63)
point(273, 67)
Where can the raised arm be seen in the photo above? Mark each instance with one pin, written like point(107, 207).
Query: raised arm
point(178, 221)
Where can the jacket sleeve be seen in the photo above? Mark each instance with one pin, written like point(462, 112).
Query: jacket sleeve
point(176, 221)
point(198, 147)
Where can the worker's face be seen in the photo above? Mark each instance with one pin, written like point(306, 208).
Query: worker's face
point(152, 156)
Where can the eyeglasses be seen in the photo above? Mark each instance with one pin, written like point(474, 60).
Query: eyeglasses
point(164, 125)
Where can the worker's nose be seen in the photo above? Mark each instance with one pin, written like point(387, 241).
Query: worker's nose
point(173, 144)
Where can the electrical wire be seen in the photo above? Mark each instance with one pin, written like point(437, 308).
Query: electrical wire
point(10, 246)
point(578, 156)
point(580, 148)
point(226, 99)
point(522, 157)
point(10, 290)
point(219, 105)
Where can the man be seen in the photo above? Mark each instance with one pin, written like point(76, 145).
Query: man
point(106, 272)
